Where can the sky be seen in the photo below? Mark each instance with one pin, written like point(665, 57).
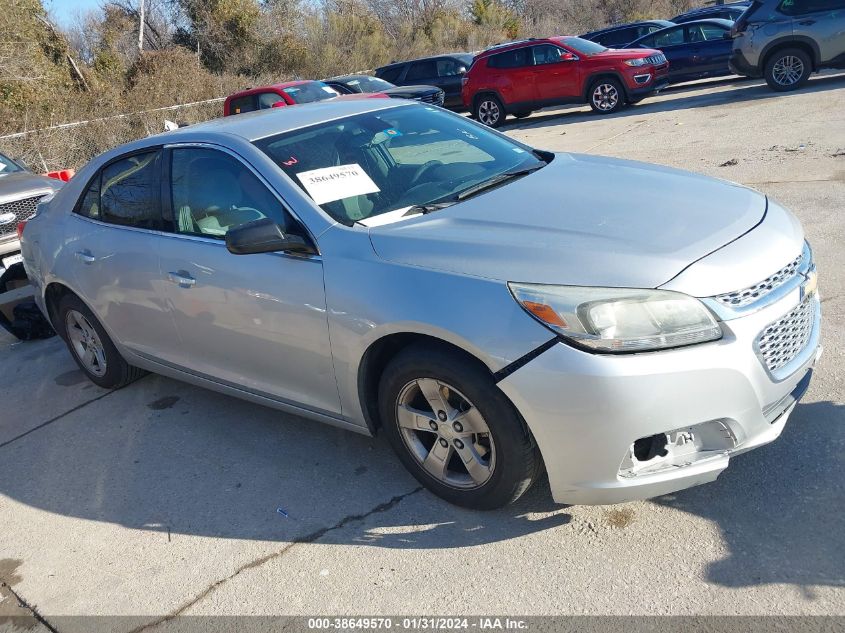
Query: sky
point(64, 11)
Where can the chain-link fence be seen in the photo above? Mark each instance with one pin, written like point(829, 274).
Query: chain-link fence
point(71, 145)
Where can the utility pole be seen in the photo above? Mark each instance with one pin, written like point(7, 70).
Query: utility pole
point(141, 28)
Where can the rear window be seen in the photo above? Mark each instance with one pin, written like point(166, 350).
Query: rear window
point(310, 92)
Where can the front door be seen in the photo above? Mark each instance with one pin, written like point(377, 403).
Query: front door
point(711, 49)
point(254, 322)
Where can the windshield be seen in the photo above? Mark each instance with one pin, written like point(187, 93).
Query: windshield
point(368, 84)
point(369, 164)
point(310, 92)
point(8, 166)
point(585, 47)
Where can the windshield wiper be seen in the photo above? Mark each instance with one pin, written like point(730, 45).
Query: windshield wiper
point(427, 208)
point(497, 180)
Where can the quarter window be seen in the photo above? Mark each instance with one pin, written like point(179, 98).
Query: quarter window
point(213, 192)
point(242, 104)
point(129, 193)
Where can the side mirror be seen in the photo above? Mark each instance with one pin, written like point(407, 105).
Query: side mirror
point(727, 36)
point(462, 70)
point(569, 57)
point(264, 236)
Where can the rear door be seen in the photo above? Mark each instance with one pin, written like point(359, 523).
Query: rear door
point(556, 73)
point(512, 75)
point(115, 240)
point(450, 72)
point(255, 322)
point(821, 21)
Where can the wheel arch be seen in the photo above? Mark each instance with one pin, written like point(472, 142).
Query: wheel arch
point(53, 294)
point(603, 74)
point(806, 44)
point(484, 92)
point(379, 354)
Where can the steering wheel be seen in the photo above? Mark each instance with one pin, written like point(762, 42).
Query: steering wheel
point(422, 169)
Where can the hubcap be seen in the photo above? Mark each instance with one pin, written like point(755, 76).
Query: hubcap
point(460, 452)
point(85, 343)
point(788, 70)
point(605, 97)
point(489, 113)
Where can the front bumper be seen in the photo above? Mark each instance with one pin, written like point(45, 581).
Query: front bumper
point(586, 410)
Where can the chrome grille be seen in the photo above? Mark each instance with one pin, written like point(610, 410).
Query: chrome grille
point(782, 340)
point(22, 210)
point(746, 296)
point(435, 98)
point(656, 60)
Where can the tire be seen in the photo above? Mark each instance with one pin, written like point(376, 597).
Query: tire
point(523, 115)
point(489, 110)
point(787, 69)
point(606, 95)
point(481, 456)
point(82, 331)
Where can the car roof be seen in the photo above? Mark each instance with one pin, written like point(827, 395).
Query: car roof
point(507, 46)
point(715, 7)
point(721, 22)
point(664, 23)
point(342, 78)
point(263, 123)
point(420, 59)
point(279, 86)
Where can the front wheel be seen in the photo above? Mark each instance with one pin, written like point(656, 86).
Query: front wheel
point(490, 110)
point(788, 69)
point(607, 96)
point(454, 429)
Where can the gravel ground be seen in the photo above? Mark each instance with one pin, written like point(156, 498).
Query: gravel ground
point(161, 499)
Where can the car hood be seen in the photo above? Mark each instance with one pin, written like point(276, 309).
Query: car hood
point(581, 220)
point(411, 91)
point(625, 53)
point(21, 184)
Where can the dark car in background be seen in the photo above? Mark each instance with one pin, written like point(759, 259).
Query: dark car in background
point(695, 50)
point(785, 41)
point(519, 77)
point(621, 34)
point(444, 71)
point(729, 11)
point(362, 84)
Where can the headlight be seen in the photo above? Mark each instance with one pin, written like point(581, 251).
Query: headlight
point(619, 319)
point(640, 61)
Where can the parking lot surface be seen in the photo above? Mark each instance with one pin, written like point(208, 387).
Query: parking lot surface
point(162, 499)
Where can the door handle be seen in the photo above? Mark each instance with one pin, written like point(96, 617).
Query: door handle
point(85, 257)
point(182, 278)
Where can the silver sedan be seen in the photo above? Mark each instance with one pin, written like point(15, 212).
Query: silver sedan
point(496, 310)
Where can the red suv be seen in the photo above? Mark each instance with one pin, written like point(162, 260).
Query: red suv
point(519, 77)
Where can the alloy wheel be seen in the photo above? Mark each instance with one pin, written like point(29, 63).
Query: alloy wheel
point(788, 70)
point(489, 112)
point(86, 343)
point(445, 433)
point(605, 96)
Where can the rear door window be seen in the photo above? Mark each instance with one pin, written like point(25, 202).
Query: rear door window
point(129, 191)
point(515, 58)
point(392, 73)
point(421, 70)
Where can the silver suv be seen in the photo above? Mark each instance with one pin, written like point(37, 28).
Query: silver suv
point(786, 40)
point(20, 192)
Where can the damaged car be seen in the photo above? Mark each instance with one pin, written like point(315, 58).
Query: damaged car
point(497, 311)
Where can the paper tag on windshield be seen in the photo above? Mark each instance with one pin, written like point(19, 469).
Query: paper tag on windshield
point(336, 183)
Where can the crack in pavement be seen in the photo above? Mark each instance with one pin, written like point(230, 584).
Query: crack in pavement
point(25, 605)
point(309, 538)
point(63, 415)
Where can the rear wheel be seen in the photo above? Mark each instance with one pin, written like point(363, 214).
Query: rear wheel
point(91, 347)
point(606, 96)
point(490, 110)
point(787, 69)
point(454, 430)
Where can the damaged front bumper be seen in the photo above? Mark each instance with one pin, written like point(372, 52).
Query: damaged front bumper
point(614, 428)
